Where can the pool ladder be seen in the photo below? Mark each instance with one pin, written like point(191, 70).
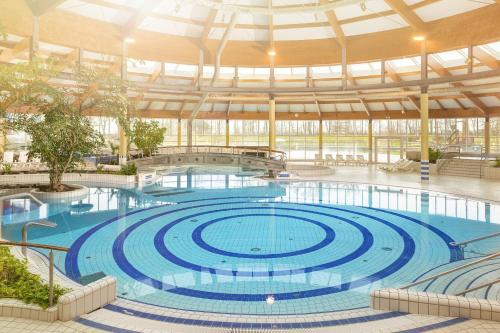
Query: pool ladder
point(462, 245)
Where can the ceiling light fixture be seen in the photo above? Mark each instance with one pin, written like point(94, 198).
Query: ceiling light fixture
point(271, 52)
point(363, 5)
point(129, 40)
point(419, 38)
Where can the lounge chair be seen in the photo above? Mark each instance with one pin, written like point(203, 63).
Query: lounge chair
point(22, 164)
point(350, 160)
point(340, 160)
point(401, 165)
point(318, 160)
point(329, 159)
point(360, 159)
point(8, 157)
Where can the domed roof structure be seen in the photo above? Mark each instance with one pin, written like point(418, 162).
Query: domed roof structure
point(353, 59)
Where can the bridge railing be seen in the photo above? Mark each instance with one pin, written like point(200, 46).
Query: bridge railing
point(262, 152)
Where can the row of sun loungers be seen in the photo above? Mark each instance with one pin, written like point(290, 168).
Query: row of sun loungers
point(24, 164)
point(340, 160)
point(400, 166)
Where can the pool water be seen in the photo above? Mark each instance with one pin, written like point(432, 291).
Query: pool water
point(230, 242)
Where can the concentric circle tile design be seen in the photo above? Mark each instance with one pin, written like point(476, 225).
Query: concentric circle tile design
point(230, 254)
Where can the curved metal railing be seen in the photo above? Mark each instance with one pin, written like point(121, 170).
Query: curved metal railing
point(263, 152)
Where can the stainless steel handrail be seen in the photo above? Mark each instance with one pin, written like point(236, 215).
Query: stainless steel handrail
point(481, 286)
point(51, 249)
point(496, 234)
point(23, 194)
point(430, 278)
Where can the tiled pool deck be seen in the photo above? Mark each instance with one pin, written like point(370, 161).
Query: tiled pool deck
point(127, 316)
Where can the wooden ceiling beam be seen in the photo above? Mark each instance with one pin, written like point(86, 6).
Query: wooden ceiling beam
point(486, 58)
point(336, 27)
point(138, 17)
point(407, 13)
point(40, 7)
point(442, 71)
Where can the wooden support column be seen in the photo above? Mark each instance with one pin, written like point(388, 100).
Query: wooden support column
point(227, 132)
point(424, 135)
point(190, 134)
point(35, 37)
point(321, 138)
point(179, 132)
point(272, 125)
point(424, 117)
point(487, 141)
point(344, 67)
point(122, 136)
point(3, 140)
point(370, 141)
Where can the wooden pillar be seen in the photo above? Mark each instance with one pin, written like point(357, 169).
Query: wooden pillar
point(272, 125)
point(122, 137)
point(487, 141)
point(35, 38)
point(179, 132)
point(344, 67)
point(321, 138)
point(370, 141)
point(424, 134)
point(424, 118)
point(190, 133)
point(3, 139)
point(227, 132)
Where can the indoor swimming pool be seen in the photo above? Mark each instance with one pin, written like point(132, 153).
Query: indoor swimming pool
point(228, 241)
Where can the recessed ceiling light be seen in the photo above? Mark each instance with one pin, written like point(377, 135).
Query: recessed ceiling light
point(419, 38)
point(271, 53)
point(129, 40)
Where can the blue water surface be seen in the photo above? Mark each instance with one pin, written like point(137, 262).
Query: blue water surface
point(227, 241)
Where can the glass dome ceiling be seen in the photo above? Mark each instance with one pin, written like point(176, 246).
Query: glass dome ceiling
point(271, 20)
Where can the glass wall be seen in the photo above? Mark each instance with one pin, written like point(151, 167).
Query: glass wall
point(299, 139)
point(209, 132)
point(345, 137)
point(253, 133)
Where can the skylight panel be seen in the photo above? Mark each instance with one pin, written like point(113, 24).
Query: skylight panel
point(446, 8)
point(96, 12)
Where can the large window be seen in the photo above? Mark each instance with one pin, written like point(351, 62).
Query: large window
point(209, 132)
point(298, 138)
point(253, 133)
point(345, 137)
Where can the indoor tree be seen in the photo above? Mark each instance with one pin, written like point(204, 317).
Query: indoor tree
point(147, 136)
point(55, 116)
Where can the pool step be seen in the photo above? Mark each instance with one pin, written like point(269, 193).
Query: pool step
point(462, 280)
point(462, 168)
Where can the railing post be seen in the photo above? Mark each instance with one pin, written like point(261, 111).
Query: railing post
point(51, 278)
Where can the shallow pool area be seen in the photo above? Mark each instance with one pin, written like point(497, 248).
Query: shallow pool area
point(230, 242)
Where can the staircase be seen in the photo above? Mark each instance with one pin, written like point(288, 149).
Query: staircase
point(461, 167)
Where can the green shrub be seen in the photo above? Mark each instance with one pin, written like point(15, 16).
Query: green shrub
point(129, 170)
point(434, 155)
point(7, 168)
point(17, 282)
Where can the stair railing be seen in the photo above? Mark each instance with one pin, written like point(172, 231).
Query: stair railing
point(435, 276)
point(481, 286)
point(463, 244)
